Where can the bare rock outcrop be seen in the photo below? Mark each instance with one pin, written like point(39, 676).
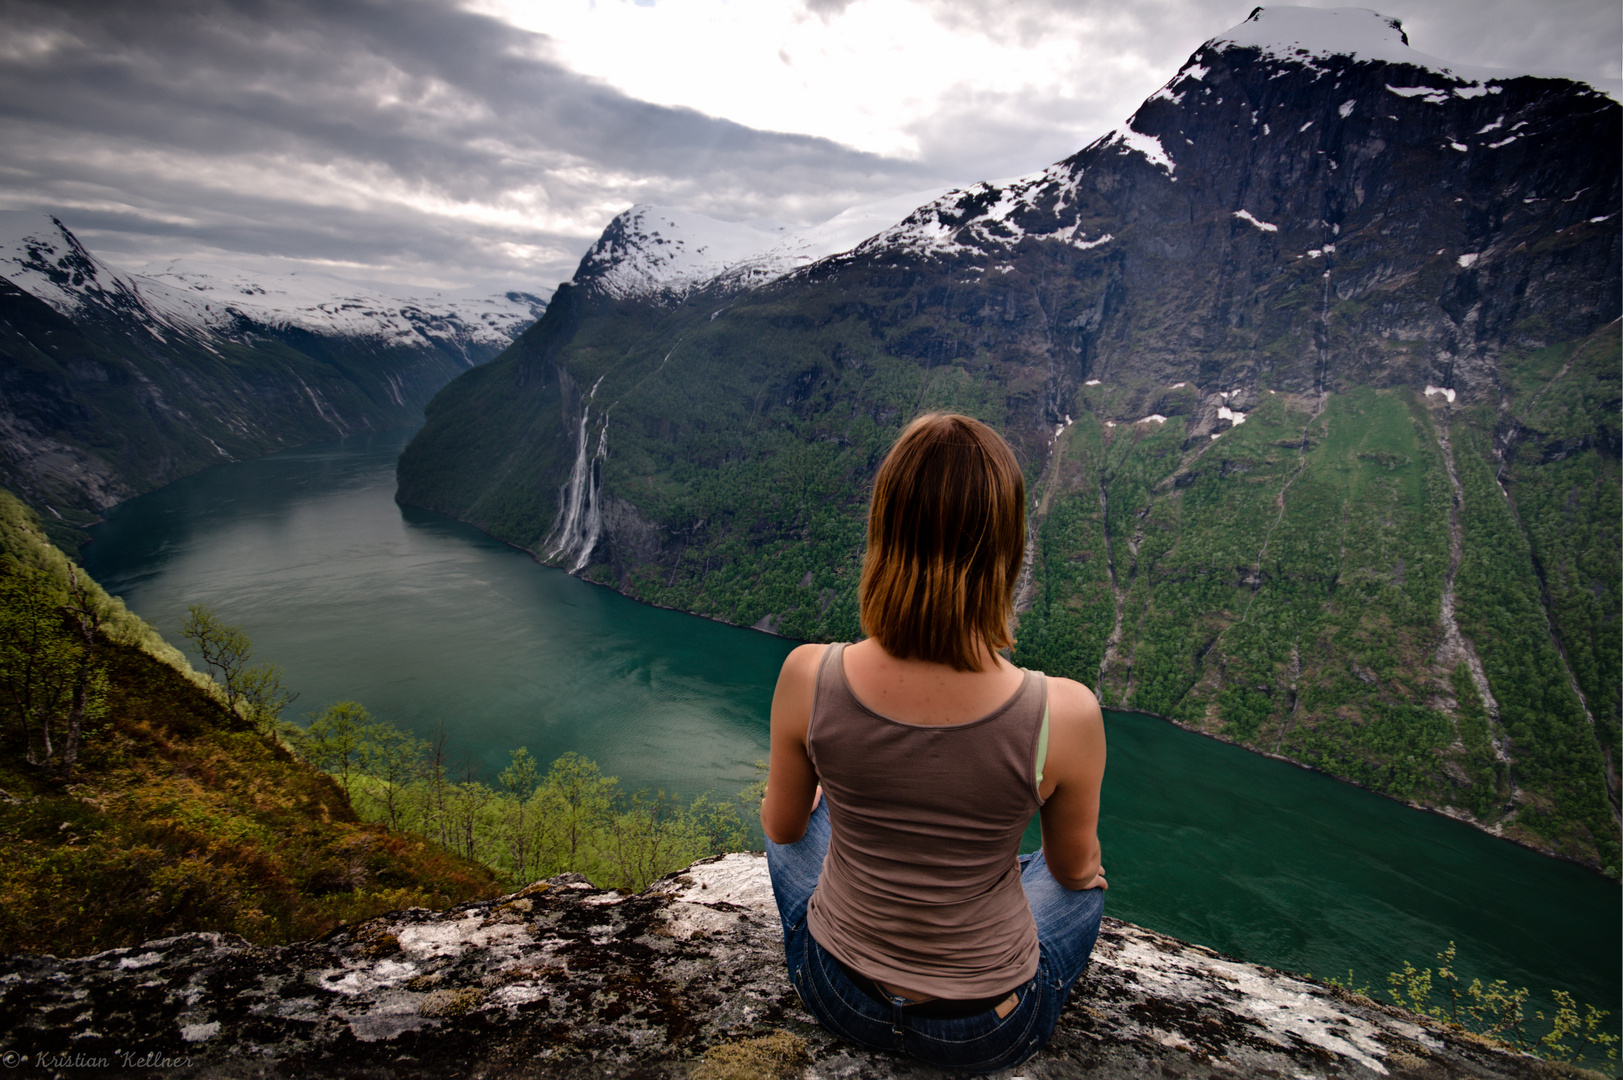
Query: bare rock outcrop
point(562, 979)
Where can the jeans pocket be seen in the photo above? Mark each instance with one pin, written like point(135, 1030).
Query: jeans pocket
point(984, 1042)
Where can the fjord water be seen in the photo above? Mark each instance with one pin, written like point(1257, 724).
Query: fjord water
point(427, 622)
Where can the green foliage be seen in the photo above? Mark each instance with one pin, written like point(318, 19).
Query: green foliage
point(338, 740)
point(532, 825)
point(1556, 746)
point(52, 684)
point(1498, 1011)
point(180, 820)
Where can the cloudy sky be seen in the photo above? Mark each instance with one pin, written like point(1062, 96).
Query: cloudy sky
point(485, 143)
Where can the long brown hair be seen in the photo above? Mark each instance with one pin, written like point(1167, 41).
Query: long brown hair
point(946, 537)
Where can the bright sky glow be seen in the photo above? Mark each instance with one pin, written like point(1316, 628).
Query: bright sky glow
point(873, 76)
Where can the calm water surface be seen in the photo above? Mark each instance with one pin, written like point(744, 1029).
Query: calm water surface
point(429, 622)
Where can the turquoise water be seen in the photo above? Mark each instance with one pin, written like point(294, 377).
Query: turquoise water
point(429, 622)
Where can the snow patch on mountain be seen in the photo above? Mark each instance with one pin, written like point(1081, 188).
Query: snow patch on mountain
point(204, 301)
point(325, 304)
point(1129, 141)
point(1245, 215)
point(661, 250)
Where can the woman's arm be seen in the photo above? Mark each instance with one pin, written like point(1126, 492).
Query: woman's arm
point(791, 782)
point(1076, 764)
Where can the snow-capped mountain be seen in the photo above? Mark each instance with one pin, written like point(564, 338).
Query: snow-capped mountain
point(650, 251)
point(40, 255)
point(1344, 45)
point(115, 381)
point(660, 251)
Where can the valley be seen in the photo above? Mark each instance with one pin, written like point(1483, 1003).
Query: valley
point(1312, 369)
point(113, 383)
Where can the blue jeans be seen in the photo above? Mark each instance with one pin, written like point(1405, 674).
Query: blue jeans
point(1067, 926)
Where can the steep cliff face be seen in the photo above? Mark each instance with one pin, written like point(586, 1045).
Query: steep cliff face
point(684, 980)
point(1312, 367)
point(114, 383)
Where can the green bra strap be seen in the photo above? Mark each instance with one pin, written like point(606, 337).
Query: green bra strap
point(1042, 745)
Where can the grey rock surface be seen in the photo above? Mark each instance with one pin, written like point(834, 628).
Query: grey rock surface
point(563, 979)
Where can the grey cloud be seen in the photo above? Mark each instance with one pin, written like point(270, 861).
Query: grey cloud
point(363, 130)
point(1579, 38)
point(419, 95)
point(1013, 135)
point(827, 9)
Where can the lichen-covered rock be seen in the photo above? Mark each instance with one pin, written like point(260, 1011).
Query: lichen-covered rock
point(563, 979)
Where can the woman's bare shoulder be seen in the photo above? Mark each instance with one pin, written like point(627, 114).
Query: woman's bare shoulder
point(799, 672)
point(1073, 703)
point(802, 661)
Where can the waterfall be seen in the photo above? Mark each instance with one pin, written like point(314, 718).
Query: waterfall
point(579, 523)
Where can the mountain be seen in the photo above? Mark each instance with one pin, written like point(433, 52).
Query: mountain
point(663, 253)
point(1312, 366)
point(114, 383)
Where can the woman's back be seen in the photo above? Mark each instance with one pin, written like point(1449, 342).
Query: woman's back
point(920, 886)
point(909, 919)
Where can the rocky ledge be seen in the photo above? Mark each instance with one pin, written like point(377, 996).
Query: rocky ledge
point(684, 980)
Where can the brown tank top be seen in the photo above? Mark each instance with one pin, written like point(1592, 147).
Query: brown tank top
point(921, 884)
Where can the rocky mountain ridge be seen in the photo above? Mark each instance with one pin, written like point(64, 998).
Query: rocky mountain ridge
point(41, 256)
point(1312, 370)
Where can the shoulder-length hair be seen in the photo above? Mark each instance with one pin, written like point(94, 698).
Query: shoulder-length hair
point(946, 538)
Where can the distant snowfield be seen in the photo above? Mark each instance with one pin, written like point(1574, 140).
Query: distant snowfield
point(658, 249)
point(41, 256)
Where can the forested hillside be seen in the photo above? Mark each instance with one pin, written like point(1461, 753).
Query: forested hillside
point(1313, 367)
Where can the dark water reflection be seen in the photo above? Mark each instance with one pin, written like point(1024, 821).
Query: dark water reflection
point(427, 621)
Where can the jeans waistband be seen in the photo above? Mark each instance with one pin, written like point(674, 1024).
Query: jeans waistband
point(933, 1009)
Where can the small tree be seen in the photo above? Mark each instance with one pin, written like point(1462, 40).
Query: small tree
point(224, 649)
point(87, 608)
point(467, 806)
point(264, 697)
point(651, 835)
point(437, 774)
point(46, 675)
point(573, 802)
point(334, 741)
point(519, 781)
point(256, 693)
point(394, 758)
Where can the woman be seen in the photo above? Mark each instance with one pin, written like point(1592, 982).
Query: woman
point(906, 767)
